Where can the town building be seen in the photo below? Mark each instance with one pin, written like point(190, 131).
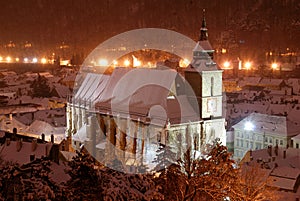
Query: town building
point(128, 119)
point(258, 131)
point(281, 166)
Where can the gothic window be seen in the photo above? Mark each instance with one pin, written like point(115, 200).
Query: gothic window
point(159, 137)
point(212, 86)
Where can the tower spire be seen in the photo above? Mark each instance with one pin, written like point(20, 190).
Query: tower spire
point(203, 30)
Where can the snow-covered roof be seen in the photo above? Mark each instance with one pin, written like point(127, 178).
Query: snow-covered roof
point(286, 172)
point(40, 127)
point(92, 87)
point(297, 137)
point(249, 81)
point(22, 156)
point(269, 124)
point(271, 81)
point(62, 90)
point(141, 94)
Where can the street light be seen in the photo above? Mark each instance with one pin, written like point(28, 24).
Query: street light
point(126, 62)
point(249, 126)
point(274, 66)
point(226, 64)
point(248, 65)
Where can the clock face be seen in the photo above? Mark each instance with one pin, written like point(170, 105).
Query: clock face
point(211, 105)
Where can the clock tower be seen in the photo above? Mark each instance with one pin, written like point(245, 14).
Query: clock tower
point(204, 77)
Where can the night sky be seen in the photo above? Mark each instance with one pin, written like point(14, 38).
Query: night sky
point(83, 24)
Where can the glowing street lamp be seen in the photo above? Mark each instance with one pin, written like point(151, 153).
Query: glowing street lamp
point(34, 60)
point(8, 59)
point(274, 66)
point(1, 58)
point(17, 59)
point(226, 64)
point(115, 62)
point(25, 59)
point(136, 62)
point(184, 62)
point(43, 60)
point(248, 65)
point(126, 62)
point(249, 126)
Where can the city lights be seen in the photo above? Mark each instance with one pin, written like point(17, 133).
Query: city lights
point(184, 62)
point(25, 59)
point(248, 65)
point(226, 64)
point(43, 60)
point(274, 66)
point(1, 58)
point(136, 62)
point(115, 62)
point(102, 62)
point(126, 63)
point(34, 60)
point(8, 59)
point(249, 126)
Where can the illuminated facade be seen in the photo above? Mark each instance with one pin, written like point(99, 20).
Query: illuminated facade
point(114, 117)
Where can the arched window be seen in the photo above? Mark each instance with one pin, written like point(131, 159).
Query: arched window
point(212, 86)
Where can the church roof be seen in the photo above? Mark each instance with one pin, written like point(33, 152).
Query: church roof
point(203, 46)
point(141, 94)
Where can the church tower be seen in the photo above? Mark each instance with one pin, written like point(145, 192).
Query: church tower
point(205, 79)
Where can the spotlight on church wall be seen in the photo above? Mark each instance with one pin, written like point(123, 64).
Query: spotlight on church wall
point(249, 126)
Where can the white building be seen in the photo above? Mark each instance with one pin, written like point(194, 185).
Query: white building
point(258, 131)
point(115, 117)
point(296, 141)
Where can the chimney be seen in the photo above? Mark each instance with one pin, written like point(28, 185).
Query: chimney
point(284, 153)
point(270, 150)
point(43, 137)
point(19, 144)
point(276, 149)
point(32, 157)
point(7, 141)
point(52, 138)
point(33, 145)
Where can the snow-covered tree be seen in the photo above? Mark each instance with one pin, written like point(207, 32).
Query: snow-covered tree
point(164, 158)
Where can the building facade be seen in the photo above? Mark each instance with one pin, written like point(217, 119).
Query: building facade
point(118, 118)
point(258, 131)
